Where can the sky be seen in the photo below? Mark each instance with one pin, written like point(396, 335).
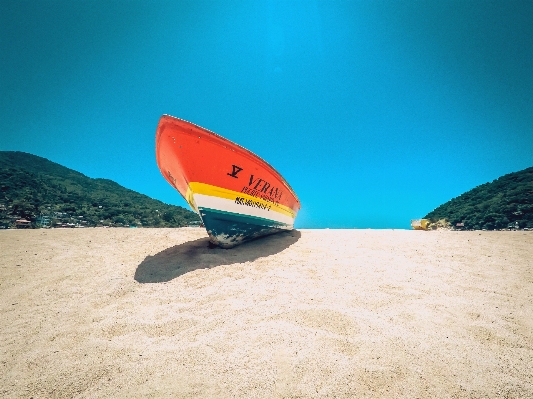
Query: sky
point(375, 112)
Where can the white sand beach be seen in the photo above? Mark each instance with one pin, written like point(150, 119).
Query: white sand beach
point(156, 313)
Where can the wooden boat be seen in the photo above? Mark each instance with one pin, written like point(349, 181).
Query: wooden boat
point(420, 224)
point(238, 195)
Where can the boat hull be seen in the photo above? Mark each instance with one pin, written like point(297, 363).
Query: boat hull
point(237, 195)
point(420, 224)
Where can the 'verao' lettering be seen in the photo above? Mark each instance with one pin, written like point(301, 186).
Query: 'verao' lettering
point(256, 181)
point(266, 192)
point(265, 187)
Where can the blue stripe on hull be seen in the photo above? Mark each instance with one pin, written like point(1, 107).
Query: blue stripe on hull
point(228, 229)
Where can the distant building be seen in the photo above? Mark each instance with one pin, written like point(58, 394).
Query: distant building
point(22, 224)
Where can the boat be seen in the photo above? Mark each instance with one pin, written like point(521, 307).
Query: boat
point(420, 224)
point(237, 195)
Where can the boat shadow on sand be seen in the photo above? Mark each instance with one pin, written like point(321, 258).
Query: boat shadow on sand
point(198, 254)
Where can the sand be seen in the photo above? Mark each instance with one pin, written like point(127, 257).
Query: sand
point(156, 313)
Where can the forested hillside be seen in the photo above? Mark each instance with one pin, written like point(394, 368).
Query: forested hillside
point(38, 190)
point(505, 202)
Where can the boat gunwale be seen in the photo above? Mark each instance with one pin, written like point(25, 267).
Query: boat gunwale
point(245, 151)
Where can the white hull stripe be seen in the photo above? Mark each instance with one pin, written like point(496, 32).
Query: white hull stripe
point(223, 204)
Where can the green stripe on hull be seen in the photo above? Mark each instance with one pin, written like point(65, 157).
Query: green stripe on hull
point(228, 229)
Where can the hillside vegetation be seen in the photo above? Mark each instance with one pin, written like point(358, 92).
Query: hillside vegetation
point(506, 202)
point(45, 192)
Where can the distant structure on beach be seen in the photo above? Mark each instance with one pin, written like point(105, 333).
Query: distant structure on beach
point(22, 224)
point(420, 224)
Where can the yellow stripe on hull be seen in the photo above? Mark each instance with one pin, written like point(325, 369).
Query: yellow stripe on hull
point(214, 191)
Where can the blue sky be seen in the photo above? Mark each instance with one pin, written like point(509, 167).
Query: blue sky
point(375, 112)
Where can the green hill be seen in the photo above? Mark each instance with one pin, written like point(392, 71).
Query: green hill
point(32, 187)
point(505, 202)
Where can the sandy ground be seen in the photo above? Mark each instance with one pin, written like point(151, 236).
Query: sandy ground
point(155, 313)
